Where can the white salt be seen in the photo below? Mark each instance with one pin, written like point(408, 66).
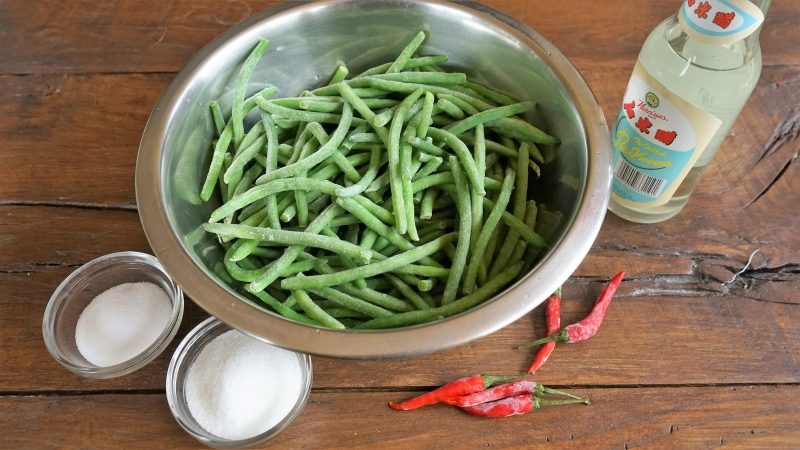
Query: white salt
point(122, 322)
point(239, 387)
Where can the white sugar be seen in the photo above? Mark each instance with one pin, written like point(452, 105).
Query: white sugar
point(239, 387)
point(122, 322)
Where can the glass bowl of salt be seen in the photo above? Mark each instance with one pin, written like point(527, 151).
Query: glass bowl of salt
point(227, 389)
point(113, 315)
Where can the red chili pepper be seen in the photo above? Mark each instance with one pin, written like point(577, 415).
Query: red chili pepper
point(587, 327)
point(553, 316)
point(518, 404)
point(496, 393)
point(457, 388)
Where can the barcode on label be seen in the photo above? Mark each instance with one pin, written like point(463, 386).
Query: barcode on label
point(634, 179)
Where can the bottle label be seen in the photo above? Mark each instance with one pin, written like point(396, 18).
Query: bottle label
point(656, 139)
point(719, 21)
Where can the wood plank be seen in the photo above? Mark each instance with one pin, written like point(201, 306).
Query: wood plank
point(82, 132)
point(77, 136)
point(690, 417)
point(647, 339)
point(163, 36)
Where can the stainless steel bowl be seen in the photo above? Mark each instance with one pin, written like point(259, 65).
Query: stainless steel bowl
point(307, 39)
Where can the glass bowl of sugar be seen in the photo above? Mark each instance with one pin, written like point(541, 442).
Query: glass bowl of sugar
point(113, 315)
point(227, 389)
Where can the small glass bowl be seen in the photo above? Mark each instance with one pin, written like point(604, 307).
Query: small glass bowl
point(82, 286)
point(183, 358)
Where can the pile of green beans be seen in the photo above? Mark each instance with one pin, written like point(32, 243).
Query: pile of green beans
point(394, 197)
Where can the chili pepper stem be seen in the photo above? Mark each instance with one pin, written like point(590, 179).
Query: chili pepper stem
point(541, 402)
point(561, 336)
point(546, 390)
point(489, 380)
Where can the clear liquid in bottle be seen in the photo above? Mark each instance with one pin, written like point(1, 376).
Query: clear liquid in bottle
point(690, 92)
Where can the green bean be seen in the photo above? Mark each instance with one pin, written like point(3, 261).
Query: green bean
point(268, 253)
point(271, 164)
point(367, 178)
point(488, 254)
point(300, 115)
point(339, 73)
point(283, 310)
point(519, 207)
point(346, 261)
point(487, 116)
point(479, 151)
point(292, 238)
point(344, 221)
point(530, 222)
point(450, 108)
point(237, 112)
point(393, 148)
point(425, 117)
point(378, 211)
point(368, 270)
point(348, 301)
point(405, 181)
point(315, 312)
point(247, 180)
point(424, 271)
point(406, 53)
point(519, 129)
point(462, 200)
point(369, 295)
point(413, 63)
point(464, 156)
point(220, 149)
point(515, 224)
point(273, 187)
point(426, 205)
point(365, 215)
point(426, 147)
point(233, 175)
point(287, 124)
point(255, 132)
point(291, 253)
point(419, 301)
point(301, 206)
point(486, 232)
point(461, 103)
point(368, 238)
point(365, 138)
point(464, 303)
point(429, 167)
point(322, 154)
point(338, 158)
point(491, 94)
point(216, 115)
point(302, 134)
point(328, 172)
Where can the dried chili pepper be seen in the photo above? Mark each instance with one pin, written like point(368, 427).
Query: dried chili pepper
point(506, 390)
point(516, 405)
point(588, 326)
point(456, 388)
point(552, 314)
point(496, 393)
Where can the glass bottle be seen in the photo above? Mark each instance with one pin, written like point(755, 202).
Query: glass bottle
point(693, 76)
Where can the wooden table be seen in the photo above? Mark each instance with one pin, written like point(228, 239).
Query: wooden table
point(684, 360)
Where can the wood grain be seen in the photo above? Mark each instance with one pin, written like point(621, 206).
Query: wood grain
point(75, 36)
point(618, 418)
